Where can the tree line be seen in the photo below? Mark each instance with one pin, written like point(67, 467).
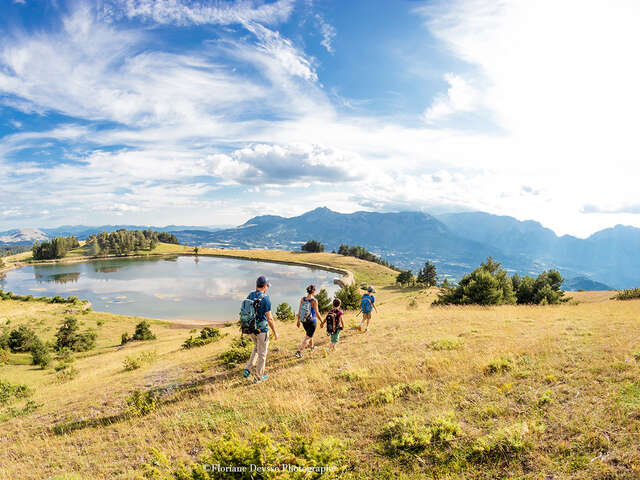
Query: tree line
point(123, 241)
point(363, 254)
point(55, 248)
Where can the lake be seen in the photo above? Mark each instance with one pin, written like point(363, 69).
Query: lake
point(180, 288)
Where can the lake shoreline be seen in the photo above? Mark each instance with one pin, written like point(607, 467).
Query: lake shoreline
point(347, 275)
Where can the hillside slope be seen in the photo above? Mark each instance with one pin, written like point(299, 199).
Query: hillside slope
point(447, 392)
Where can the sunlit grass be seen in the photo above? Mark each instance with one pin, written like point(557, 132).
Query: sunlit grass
point(428, 392)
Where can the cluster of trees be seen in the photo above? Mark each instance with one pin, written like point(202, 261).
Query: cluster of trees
point(68, 339)
point(628, 294)
point(427, 276)
point(363, 254)
point(489, 284)
point(312, 246)
point(123, 241)
point(13, 250)
point(55, 248)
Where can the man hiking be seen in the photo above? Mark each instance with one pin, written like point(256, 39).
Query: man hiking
point(259, 330)
point(367, 305)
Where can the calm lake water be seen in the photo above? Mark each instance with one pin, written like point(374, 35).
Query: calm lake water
point(186, 288)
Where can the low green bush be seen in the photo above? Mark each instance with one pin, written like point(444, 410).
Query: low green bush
point(390, 393)
point(503, 444)
point(629, 294)
point(447, 344)
point(133, 362)
point(12, 412)
point(141, 403)
point(301, 457)
point(10, 392)
point(66, 373)
point(40, 354)
point(4, 356)
point(240, 351)
point(412, 434)
point(21, 339)
point(498, 365)
point(207, 335)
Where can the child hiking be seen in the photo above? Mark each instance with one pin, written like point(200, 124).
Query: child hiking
point(367, 305)
point(307, 315)
point(334, 322)
point(255, 320)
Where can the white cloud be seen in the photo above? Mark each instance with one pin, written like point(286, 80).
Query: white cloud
point(460, 97)
point(327, 31)
point(183, 13)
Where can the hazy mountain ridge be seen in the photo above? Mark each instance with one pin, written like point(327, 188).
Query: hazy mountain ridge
point(455, 243)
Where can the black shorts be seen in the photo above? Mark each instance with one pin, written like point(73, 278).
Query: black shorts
point(310, 328)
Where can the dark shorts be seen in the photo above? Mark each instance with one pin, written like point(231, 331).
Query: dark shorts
point(310, 328)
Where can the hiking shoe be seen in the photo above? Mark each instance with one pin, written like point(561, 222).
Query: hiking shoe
point(299, 354)
point(258, 380)
point(246, 373)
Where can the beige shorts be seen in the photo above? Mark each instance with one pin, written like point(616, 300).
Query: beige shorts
point(366, 316)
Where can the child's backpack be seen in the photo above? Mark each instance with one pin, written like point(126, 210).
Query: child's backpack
point(305, 311)
point(249, 314)
point(333, 321)
point(365, 304)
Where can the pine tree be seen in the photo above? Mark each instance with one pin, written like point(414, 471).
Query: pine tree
point(427, 275)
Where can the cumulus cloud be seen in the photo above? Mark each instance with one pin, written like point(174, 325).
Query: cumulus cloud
point(460, 97)
point(282, 165)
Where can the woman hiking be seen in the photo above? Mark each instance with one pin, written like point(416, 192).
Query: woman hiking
point(308, 315)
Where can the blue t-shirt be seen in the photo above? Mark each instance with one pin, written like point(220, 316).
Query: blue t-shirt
point(265, 306)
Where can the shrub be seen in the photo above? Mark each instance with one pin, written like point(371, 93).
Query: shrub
point(324, 302)
point(141, 403)
point(85, 341)
point(240, 351)
point(68, 337)
point(406, 433)
point(40, 354)
point(207, 335)
point(486, 285)
point(99, 323)
point(350, 297)
point(629, 294)
point(66, 372)
point(132, 362)
point(261, 450)
point(125, 338)
point(4, 356)
point(10, 392)
point(312, 246)
point(406, 277)
point(498, 365)
point(504, 444)
point(284, 313)
point(143, 332)
point(21, 339)
point(447, 344)
point(390, 393)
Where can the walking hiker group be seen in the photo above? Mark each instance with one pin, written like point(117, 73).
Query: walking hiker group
point(256, 320)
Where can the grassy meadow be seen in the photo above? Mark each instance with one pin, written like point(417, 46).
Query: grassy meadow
point(530, 392)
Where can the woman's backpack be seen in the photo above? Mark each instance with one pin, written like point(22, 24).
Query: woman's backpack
point(305, 310)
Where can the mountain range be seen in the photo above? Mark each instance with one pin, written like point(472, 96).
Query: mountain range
point(455, 243)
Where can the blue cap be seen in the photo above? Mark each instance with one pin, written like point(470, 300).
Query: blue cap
point(262, 281)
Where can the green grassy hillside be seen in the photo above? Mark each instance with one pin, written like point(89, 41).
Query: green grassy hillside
point(446, 392)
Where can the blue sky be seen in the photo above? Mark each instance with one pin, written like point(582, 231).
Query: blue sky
point(210, 112)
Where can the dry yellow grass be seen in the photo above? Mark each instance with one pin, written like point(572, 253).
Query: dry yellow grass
point(570, 376)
